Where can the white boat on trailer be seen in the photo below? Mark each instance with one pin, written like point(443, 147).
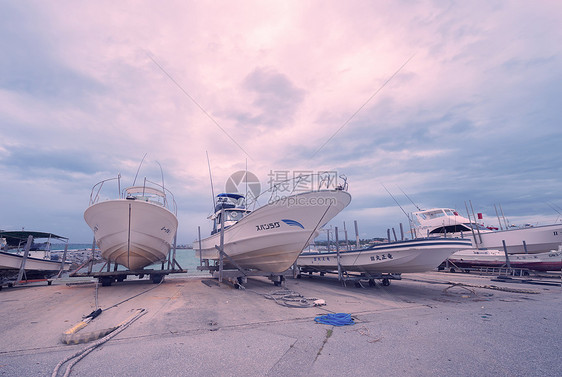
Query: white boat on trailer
point(270, 238)
point(17, 264)
point(409, 256)
point(475, 258)
point(137, 228)
point(446, 222)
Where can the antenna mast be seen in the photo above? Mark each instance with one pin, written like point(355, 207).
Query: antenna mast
point(411, 201)
point(398, 204)
point(163, 188)
point(211, 178)
point(143, 157)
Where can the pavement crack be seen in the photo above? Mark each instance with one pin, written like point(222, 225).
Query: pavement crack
point(329, 333)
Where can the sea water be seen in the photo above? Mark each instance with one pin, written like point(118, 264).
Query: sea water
point(186, 258)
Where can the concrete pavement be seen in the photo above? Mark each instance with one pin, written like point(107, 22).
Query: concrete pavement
point(421, 325)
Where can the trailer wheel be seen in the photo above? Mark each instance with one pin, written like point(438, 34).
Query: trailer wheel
point(156, 278)
point(240, 281)
point(386, 282)
point(372, 283)
point(106, 281)
point(452, 269)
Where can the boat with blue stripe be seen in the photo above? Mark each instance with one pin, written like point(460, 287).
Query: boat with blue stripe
point(409, 256)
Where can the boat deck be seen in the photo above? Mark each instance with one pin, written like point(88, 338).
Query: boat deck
point(425, 325)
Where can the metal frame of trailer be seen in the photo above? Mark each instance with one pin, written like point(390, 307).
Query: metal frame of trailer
point(239, 276)
point(107, 277)
point(356, 278)
point(344, 276)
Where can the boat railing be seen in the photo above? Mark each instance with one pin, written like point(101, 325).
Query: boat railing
point(97, 189)
point(150, 191)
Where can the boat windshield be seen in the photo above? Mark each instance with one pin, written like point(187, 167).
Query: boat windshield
point(476, 226)
point(231, 217)
point(456, 228)
point(146, 195)
point(435, 214)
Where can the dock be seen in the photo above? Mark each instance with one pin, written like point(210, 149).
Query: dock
point(430, 324)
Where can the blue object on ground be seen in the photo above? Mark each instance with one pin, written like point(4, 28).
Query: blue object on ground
point(335, 319)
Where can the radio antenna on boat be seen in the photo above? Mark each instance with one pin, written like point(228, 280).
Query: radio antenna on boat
point(551, 205)
point(211, 178)
point(363, 105)
point(499, 221)
point(143, 157)
point(398, 204)
point(554, 208)
point(198, 105)
point(415, 205)
point(505, 221)
point(162, 176)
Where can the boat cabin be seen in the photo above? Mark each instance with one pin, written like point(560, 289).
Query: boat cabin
point(440, 221)
point(146, 194)
point(232, 207)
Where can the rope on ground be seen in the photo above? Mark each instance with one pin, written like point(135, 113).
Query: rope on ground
point(137, 295)
point(291, 299)
point(70, 336)
point(335, 319)
point(472, 291)
point(495, 287)
point(79, 355)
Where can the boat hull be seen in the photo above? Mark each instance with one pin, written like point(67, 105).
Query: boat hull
point(270, 238)
point(531, 239)
point(35, 268)
point(549, 261)
point(399, 257)
point(132, 233)
point(538, 239)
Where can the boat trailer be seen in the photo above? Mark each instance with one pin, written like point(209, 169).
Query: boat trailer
point(239, 276)
point(106, 275)
point(106, 278)
point(22, 277)
point(356, 278)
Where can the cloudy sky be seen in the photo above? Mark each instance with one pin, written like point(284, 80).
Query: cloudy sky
point(446, 101)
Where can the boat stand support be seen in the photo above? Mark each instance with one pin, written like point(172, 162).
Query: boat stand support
point(107, 277)
point(22, 275)
point(358, 279)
